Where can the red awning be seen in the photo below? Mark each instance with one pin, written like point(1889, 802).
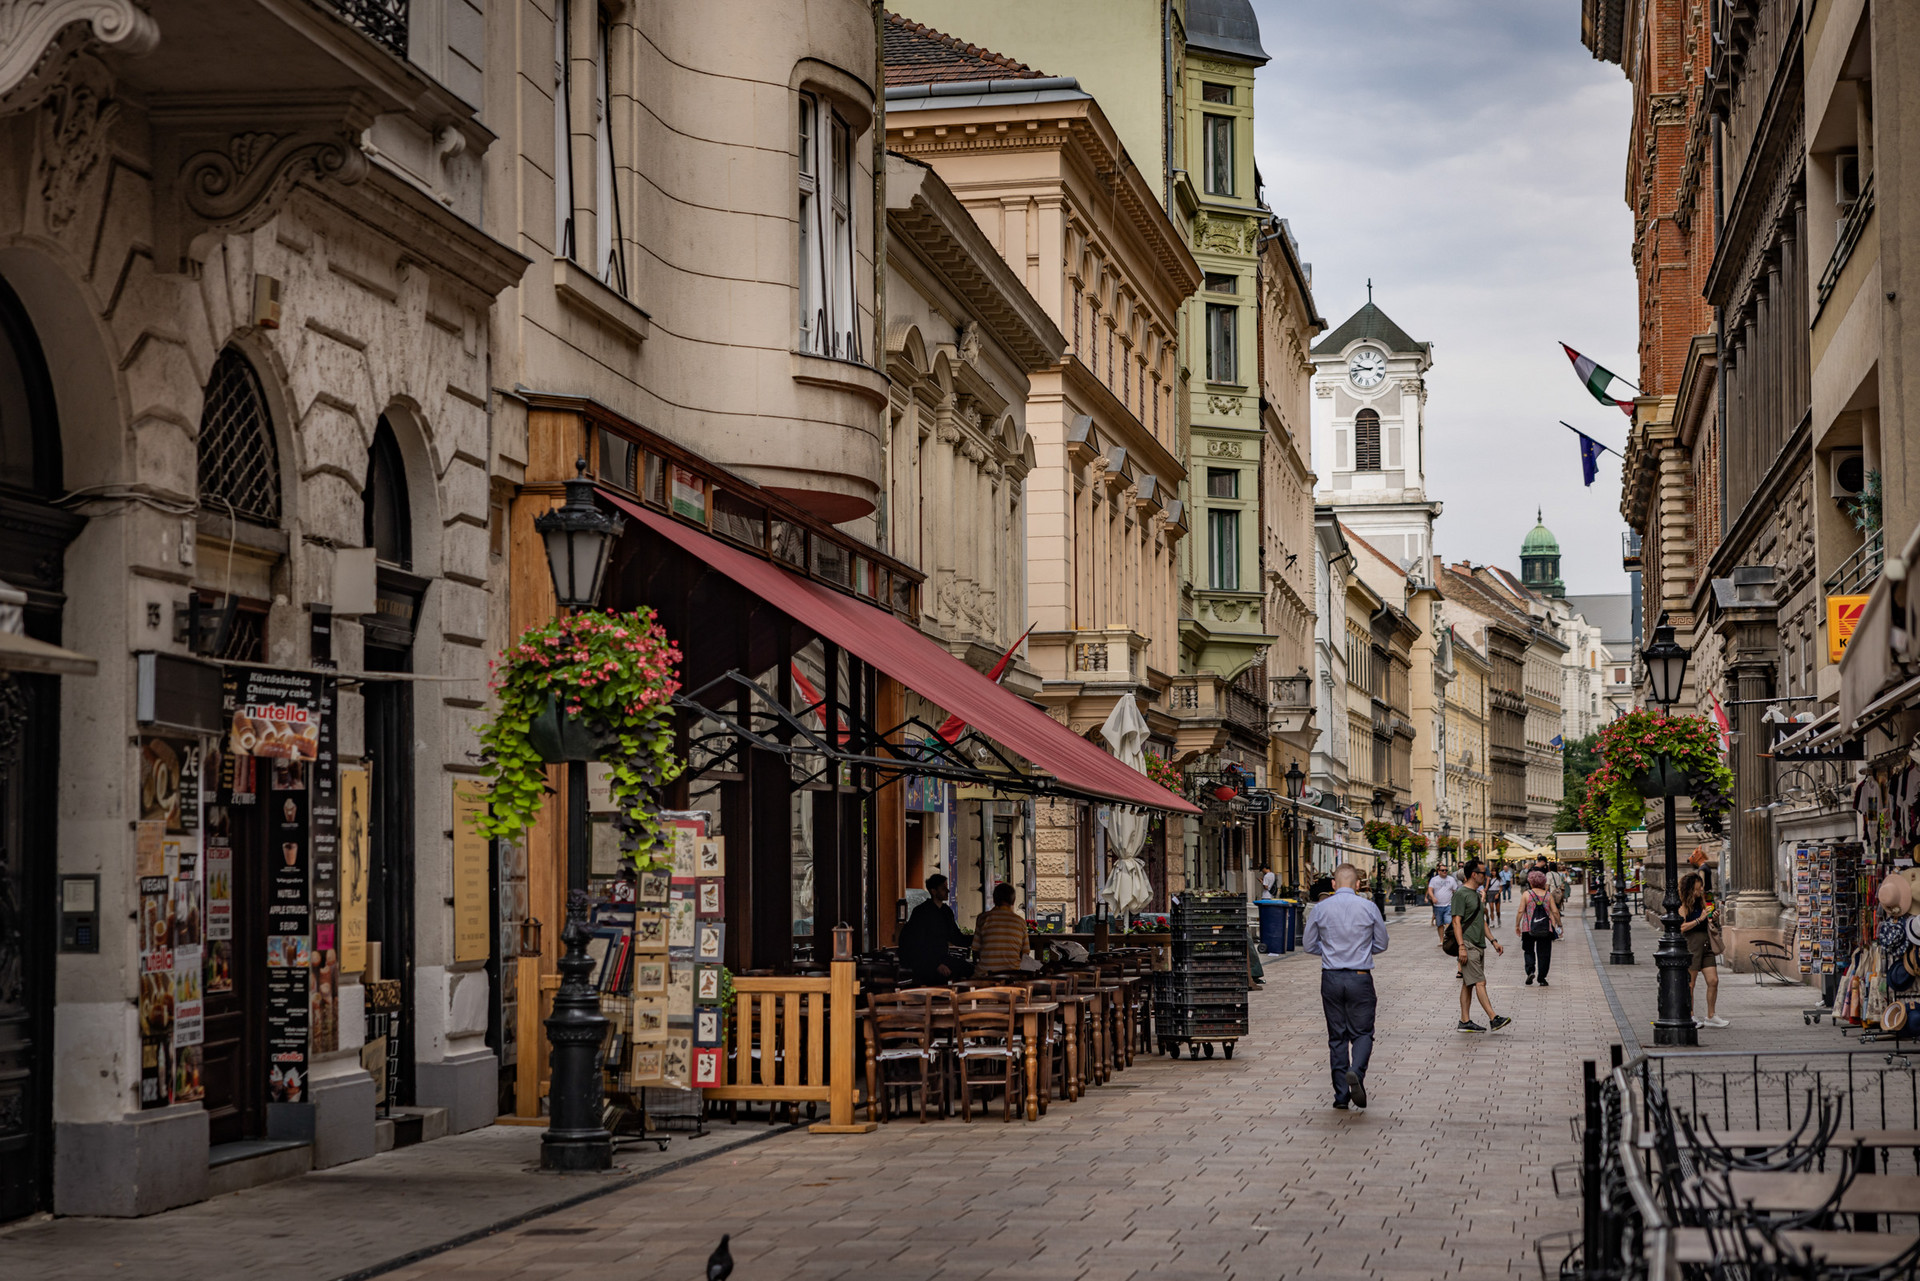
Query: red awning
point(916, 661)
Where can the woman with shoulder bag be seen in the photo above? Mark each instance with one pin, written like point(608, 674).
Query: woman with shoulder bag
point(1537, 922)
point(1699, 923)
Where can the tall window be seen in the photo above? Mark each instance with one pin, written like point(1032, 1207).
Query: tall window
point(1222, 364)
point(1223, 550)
point(29, 432)
point(609, 256)
point(386, 519)
point(1366, 441)
point(239, 459)
point(563, 245)
point(1216, 140)
point(828, 326)
point(1223, 482)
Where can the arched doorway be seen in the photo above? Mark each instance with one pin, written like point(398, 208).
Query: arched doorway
point(31, 557)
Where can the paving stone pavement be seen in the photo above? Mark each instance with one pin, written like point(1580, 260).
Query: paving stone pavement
point(1207, 1169)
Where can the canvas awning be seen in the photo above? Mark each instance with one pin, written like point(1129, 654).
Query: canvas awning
point(879, 638)
point(20, 653)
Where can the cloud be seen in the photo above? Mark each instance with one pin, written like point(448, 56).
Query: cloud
point(1470, 159)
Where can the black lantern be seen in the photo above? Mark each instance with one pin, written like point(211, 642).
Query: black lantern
point(1379, 806)
point(1666, 665)
point(530, 936)
point(578, 535)
point(1296, 781)
point(843, 942)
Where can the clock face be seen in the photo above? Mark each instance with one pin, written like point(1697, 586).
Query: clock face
point(1367, 367)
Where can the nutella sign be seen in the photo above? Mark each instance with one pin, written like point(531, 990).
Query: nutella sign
point(276, 715)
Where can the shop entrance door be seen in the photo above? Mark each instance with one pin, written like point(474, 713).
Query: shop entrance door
point(233, 1063)
point(389, 710)
point(29, 722)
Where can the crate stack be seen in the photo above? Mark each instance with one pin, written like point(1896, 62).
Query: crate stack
point(1202, 1000)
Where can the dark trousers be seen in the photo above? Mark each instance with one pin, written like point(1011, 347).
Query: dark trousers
point(1538, 952)
point(1347, 996)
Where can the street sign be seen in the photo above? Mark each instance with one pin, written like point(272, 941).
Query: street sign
point(1843, 618)
point(1259, 801)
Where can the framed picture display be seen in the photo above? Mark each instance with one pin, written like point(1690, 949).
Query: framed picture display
point(654, 884)
point(707, 1022)
point(680, 923)
point(680, 994)
point(650, 1018)
point(711, 896)
point(710, 942)
point(649, 931)
point(677, 1067)
point(706, 984)
point(706, 1067)
point(710, 856)
point(649, 977)
point(649, 1062)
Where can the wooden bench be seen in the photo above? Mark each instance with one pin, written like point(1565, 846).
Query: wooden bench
point(1800, 1193)
point(1841, 1249)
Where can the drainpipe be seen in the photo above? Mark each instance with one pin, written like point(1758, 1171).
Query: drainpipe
point(880, 187)
point(1166, 102)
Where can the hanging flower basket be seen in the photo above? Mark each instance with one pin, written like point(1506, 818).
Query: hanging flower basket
point(591, 686)
point(1644, 755)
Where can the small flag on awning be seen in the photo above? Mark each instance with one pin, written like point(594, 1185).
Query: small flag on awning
point(1590, 451)
point(1598, 380)
point(953, 727)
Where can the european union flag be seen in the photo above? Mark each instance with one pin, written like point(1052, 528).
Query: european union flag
point(1556, 740)
point(1590, 450)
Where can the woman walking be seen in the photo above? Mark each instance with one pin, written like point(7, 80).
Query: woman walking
point(1537, 921)
point(1697, 917)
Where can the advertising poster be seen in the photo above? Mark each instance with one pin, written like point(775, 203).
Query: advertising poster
point(156, 1070)
point(355, 812)
point(218, 858)
point(275, 714)
point(323, 848)
point(188, 1026)
point(289, 906)
point(325, 1016)
point(287, 1023)
point(170, 783)
point(150, 849)
point(680, 923)
point(472, 884)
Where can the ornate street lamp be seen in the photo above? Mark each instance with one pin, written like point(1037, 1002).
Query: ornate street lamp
point(1666, 674)
point(1296, 787)
point(1622, 918)
point(1379, 886)
point(578, 537)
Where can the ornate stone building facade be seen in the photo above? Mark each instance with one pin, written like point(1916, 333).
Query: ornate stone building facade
point(253, 335)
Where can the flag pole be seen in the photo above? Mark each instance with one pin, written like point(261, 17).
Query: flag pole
point(1604, 448)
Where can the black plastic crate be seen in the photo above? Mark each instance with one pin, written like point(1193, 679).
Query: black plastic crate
point(1209, 1025)
point(1228, 944)
point(1217, 963)
point(1198, 988)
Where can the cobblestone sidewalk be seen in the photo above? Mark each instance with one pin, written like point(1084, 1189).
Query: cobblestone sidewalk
point(1205, 1169)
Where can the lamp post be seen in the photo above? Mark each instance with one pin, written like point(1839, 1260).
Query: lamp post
point(1666, 672)
point(578, 536)
point(1296, 786)
point(1622, 919)
point(1379, 884)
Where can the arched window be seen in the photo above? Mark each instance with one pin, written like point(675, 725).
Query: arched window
point(239, 458)
point(29, 431)
point(1366, 441)
point(386, 518)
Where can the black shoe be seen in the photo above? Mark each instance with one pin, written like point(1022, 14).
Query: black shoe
point(1544, 983)
point(1339, 1107)
point(1468, 1025)
point(1357, 1089)
point(1499, 1021)
point(1529, 980)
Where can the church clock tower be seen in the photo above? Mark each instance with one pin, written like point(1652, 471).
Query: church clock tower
point(1373, 374)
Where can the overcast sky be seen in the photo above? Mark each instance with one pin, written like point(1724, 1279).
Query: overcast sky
point(1469, 156)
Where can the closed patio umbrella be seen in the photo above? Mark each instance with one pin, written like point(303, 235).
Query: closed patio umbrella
point(1127, 888)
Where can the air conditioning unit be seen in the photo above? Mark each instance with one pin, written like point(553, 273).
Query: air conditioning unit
point(1846, 472)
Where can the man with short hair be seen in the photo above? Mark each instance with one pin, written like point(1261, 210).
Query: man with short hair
point(999, 934)
point(1346, 932)
point(1440, 888)
point(1470, 936)
point(927, 936)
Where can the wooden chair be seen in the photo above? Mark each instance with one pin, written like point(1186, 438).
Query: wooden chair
point(987, 1040)
point(900, 1054)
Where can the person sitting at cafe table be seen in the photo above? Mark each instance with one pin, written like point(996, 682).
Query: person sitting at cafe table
point(1000, 935)
point(927, 936)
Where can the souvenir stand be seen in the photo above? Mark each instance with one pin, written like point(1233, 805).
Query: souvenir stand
point(1856, 930)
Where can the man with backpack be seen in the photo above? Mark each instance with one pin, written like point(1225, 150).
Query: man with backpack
point(1469, 939)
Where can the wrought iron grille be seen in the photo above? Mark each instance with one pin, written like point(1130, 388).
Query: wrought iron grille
point(239, 461)
point(382, 20)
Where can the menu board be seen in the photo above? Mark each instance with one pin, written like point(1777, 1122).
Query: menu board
point(472, 882)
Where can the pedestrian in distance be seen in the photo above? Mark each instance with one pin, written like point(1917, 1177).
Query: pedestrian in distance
point(1440, 888)
point(1697, 919)
point(1470, 945)
point(1537, 922)
point(1346, 932)
point(1491, 900)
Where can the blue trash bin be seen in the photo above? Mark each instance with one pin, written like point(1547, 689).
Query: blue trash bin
point(1273, 925)
point(1294, 923)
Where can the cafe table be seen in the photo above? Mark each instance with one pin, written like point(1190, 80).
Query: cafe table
point(1030, 1013)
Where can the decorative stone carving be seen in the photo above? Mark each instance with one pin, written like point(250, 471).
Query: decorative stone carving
point(75, 121)
point(1223, 449)
point(37, 37)
point(1227, 611)
point(1218, 236)
point(1227, 405)
point(970, 343)
point(1323, 391)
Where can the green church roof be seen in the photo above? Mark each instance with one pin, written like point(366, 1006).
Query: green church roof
point(1368, 322)
point(1540, 542)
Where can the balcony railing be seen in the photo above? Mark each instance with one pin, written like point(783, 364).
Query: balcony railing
point(381, 20)
point(1858, 572)
point(1849, 237)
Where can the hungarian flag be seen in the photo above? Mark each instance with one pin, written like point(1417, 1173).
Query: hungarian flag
point(953, 727)
point(1725, 726)
point(1598, 380)
point(814, 697)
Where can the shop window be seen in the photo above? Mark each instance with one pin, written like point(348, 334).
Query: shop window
point(239, 461)
point(1217, 154)
point(1366, 441)
point(619, 461)
point(1223, 550)
point(736, 518)
point(385, 515)
point(1222, 362)
point(828, 325)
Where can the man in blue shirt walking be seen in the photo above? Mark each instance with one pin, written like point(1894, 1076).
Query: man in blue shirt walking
point(1346, 932)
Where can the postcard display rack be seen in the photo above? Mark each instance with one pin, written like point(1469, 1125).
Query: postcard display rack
point(658, 944)
point(1828, 881)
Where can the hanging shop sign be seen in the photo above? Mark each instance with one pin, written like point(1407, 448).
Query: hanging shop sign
point(472, 901)
point(275, 715)
point(1843, 619)
point(1835, 749)
point(356, 866)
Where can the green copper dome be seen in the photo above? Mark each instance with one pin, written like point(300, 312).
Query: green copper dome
point(1541, 541)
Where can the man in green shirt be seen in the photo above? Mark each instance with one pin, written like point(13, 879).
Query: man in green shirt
point(1470, 933)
